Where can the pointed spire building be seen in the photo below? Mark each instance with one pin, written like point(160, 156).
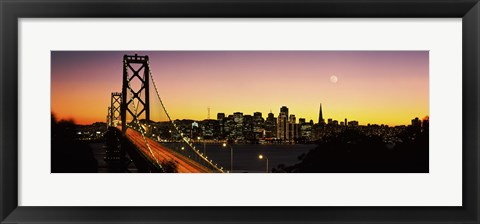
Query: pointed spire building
point(321, 121)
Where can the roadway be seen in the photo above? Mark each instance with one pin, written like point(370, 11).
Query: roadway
point(164, 154)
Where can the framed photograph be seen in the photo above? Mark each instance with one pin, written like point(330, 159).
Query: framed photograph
point(186, 139)
point(246, 112)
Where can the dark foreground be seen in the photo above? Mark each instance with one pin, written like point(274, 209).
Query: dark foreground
point(348, 152)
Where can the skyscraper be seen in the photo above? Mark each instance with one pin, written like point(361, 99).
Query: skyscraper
point(257, 116)
point(221, 118)
point(301, 121)
point(292, 128)
point(238, 118)
point(271, 126)
point(282, 125)
point(292, 118)
point(320, 117)
point(284, 109)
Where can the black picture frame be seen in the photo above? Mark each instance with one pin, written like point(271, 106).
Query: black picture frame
point(11, 11)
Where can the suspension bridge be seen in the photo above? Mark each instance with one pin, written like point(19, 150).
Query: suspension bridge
point(129, 132)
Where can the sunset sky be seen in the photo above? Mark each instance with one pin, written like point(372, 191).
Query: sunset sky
point(377, 87)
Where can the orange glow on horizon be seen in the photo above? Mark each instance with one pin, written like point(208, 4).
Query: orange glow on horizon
point(377, 88)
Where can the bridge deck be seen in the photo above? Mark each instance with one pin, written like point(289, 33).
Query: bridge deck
point(162, 153)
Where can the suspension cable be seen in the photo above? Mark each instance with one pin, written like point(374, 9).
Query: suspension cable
point(176, 128)
point(138, 123)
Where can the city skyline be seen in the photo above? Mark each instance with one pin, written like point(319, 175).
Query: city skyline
point(307, 120)
point(377, 87)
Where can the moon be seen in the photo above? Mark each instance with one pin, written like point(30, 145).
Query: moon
point(333, 79)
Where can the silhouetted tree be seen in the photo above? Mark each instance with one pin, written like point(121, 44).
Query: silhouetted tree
point(68, 154)
point(353, 152)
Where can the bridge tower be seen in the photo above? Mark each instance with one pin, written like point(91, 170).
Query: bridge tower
point(132, 97)
point(129, 95)
point(115, 105)
point(109, 116)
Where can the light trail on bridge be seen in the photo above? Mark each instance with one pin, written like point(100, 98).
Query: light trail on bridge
point(152, 150)
point(162, 153)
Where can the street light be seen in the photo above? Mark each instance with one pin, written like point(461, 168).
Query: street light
point(231, 156)
point(266, 158)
